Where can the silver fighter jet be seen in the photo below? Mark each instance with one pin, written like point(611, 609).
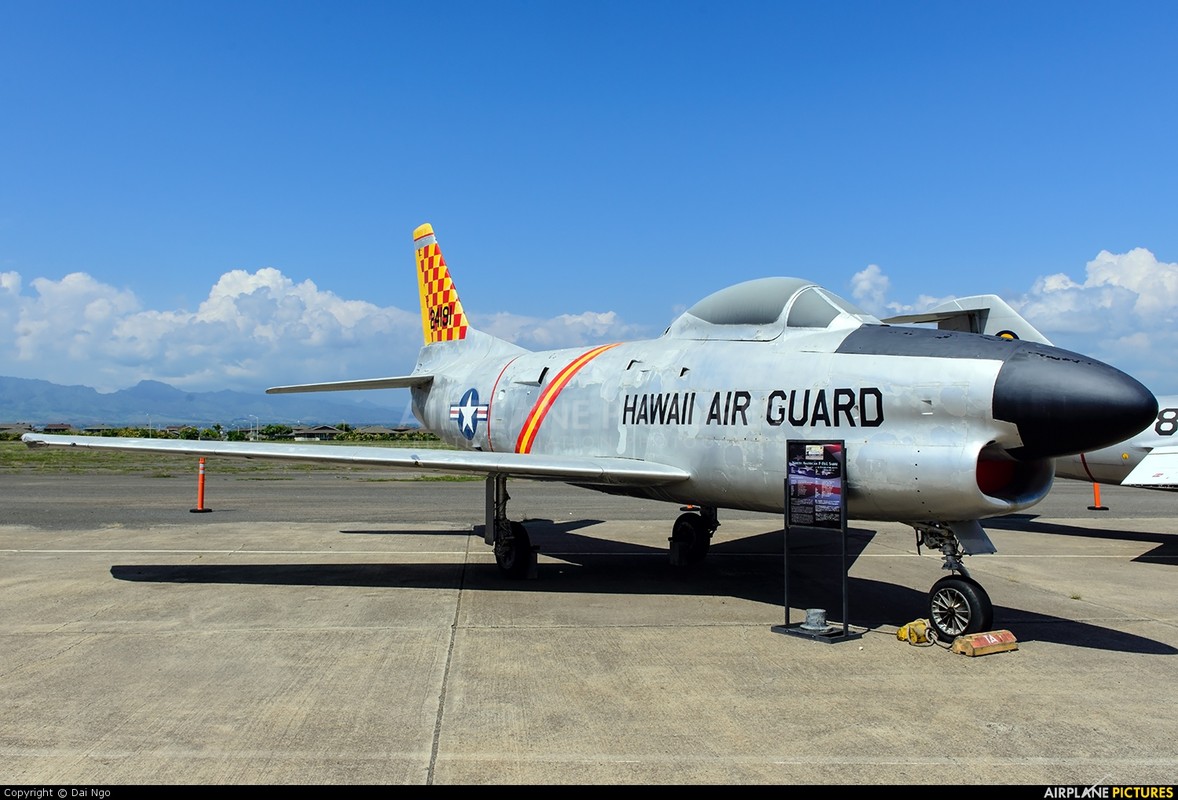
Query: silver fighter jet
point(941, 428)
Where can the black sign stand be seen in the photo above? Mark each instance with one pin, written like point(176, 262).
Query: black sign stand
point(816, 499)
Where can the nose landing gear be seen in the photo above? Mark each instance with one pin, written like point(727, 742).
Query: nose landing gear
point(957, 604)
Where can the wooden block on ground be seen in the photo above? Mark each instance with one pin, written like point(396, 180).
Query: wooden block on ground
point(980, 644)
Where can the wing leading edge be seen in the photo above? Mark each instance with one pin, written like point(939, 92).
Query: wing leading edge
point(399, 382)
point(573, 469)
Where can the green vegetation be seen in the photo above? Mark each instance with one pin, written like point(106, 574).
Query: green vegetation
point(278, 433)
point(17, 457)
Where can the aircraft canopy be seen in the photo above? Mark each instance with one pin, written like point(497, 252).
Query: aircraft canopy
point(761, 309)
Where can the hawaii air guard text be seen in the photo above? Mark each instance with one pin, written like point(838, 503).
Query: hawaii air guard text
point(831, 408)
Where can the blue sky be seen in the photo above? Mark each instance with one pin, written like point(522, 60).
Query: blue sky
point(222, 195)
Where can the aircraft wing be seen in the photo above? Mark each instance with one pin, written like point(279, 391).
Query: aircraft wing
point(928, 316)
point(398, 382)
point(981, 313)
point(1158, 470)
point(571, 469)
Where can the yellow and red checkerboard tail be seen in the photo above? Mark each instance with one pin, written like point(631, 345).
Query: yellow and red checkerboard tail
point(442, 317)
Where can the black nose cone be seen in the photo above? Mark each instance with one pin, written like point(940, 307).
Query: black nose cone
point(1065, 403)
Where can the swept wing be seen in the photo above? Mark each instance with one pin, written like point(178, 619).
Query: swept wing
point(575, 469)
point(1157, 470)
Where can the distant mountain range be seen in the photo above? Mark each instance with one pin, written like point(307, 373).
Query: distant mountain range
point(158, 404)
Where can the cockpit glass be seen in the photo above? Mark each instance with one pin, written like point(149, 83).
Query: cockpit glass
point(815, 307)
point(811, 309)
point(759, 310)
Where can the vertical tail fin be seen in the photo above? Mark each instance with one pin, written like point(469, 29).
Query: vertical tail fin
point(442, 317)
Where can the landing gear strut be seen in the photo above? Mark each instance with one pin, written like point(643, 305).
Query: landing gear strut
point(514, 554)
point(957, 604)
point(691, 536)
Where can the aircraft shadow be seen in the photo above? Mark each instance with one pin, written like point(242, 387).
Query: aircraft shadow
point(750, 568)
point(1165, 552)
point(477, 530)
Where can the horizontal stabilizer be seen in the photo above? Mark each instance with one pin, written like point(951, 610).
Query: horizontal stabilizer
point(603, 470)
point(1158, 470)
point(401, 382)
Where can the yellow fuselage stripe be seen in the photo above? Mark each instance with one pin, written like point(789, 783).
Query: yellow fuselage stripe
point(527, 434)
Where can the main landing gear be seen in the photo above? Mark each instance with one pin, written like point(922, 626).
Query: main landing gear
point(515, 556)
point(957, 604)
point(691, 536)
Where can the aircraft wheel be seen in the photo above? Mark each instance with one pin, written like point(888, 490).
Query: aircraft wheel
point(692, 534)
point(958, 606)
point(513, 556)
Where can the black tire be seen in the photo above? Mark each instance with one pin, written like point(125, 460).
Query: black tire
point(514, 557)
point(958, 606)
point(692, 534)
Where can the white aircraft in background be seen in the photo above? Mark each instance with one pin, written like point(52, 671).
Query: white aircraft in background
point(937, 429)
point(1148, 458)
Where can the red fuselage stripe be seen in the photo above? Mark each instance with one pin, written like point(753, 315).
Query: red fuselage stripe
point(491, 402)
point(1088, 472)
point(527, 434)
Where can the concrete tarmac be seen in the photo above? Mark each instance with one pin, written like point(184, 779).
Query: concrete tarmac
point(345, 628)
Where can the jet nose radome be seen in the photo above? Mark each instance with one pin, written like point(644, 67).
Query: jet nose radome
point(1065, 403)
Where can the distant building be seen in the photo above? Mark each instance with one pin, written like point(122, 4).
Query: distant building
point(99, 430)
point(379, 430)
point(320, 433)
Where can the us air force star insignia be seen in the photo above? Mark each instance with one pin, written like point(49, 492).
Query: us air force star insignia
point(468, 412)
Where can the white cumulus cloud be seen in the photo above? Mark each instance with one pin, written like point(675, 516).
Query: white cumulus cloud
point(566, 330)
point(870, 287)
point(255, 329)
point(1123, 310)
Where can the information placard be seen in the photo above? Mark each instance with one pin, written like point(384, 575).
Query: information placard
point(816, 476)
point(816, 498)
